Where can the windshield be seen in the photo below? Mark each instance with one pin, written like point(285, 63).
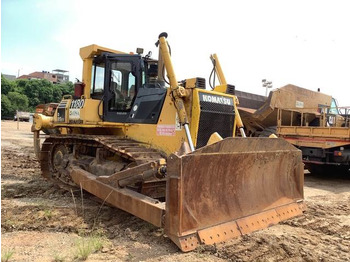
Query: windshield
point(334, 107)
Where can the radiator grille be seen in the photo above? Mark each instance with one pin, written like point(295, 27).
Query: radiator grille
point(216, 115)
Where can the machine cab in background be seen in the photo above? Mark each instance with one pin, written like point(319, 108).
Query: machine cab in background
point(128, 87)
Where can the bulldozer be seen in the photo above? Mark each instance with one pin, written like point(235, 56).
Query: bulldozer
point(165, 150)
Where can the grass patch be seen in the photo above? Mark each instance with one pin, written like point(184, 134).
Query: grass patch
point(6, 255)
point(48, 214)
point(88, 246)
point(10, 223)
point(58, 258)
point(129, 257)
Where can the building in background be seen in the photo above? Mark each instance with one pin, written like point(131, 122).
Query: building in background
point(62, 75)
point(9, 77)
point(56, 77)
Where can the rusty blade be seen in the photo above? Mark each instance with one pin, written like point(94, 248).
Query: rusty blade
point(286, 212)
point(219, 233)
point(258, 221)
point(248, 224)
point(237, 179)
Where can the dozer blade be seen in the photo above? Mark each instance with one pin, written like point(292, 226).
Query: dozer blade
point(231, 188)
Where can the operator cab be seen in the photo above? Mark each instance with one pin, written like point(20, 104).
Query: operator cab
point(128, 86)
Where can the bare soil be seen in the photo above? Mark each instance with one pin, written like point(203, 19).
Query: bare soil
point(41, 222)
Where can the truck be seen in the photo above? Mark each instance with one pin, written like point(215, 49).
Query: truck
point(311, 121)
point(22, 116)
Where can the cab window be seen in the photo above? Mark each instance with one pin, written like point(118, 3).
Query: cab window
point(122, 86)
point(97, 79)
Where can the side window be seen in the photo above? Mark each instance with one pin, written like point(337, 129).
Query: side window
point(97, 81)
point(131, 87)
point(150, 78)
point(143, 77)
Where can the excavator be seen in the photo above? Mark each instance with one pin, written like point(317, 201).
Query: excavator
point(165, 150)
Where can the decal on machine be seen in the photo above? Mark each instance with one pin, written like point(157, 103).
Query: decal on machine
point(75, 107)
point(74, 114)
point(215, 99)
point(77, 104)
point(165, 130)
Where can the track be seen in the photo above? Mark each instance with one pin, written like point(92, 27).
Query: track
point(129, 153)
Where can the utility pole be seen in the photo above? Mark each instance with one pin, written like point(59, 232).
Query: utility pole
point(18, 71)
point(267, 85)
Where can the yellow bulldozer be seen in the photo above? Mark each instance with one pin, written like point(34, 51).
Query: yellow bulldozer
point(167, 152)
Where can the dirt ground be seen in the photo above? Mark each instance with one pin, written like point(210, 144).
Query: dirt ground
point(40, 222)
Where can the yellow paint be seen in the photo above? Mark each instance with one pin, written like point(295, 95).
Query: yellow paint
point(165, 136)
point(215, 137)
point(195, 116)
point(87, 53)
point(220, 88)
point(91, 111)
point(147, 133)
point(41, 121)
point(180, 105)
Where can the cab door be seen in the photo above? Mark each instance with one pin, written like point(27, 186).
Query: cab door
point(123, 77)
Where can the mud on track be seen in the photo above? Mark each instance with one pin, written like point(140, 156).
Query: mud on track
point(41, 222)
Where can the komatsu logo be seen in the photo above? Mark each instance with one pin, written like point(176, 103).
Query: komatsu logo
point(216, 99)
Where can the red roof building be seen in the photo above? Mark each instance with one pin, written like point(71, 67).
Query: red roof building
point(55, 78)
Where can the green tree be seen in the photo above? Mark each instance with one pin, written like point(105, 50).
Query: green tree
point(57, 93)
point(30, 88)
point(6, 107)
point(18, 101)
point(6, 85)
point(37, 91)
point(45, 89)
point(67, 88)
point(25, 95)
point(20, 84)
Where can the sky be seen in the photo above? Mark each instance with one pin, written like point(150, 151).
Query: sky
point(300, 42)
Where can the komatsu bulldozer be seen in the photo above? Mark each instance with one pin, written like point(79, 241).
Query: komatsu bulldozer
point(166, 152)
